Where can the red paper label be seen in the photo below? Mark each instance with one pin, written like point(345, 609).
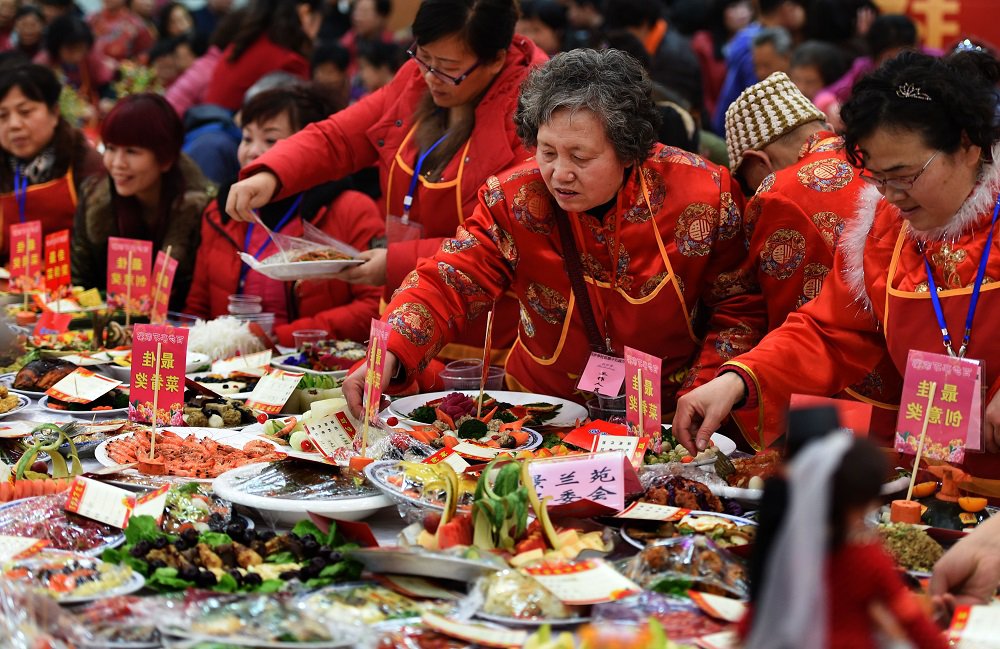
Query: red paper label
point(129, 281)
point(584, 436)
point(642, 391)
point(375, 362)
point(52, 323)
point(163, 276)
point(953, 417)
point(57, 272)
point(26, 267)
point(167, 384)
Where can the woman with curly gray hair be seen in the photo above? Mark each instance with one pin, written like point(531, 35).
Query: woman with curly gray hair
point(606, 238)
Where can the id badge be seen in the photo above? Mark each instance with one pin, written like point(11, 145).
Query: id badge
point(604, 375)
point(398, 230)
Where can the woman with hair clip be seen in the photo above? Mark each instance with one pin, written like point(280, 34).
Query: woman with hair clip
point(819, 577)
point(440, 128)
point(916, 269)
point(153, 192)
point(343, 310)
point(43, 160)
point(274, 35)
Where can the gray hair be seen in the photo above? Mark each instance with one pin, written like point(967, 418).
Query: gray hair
point(609, 83)
point(776, 36)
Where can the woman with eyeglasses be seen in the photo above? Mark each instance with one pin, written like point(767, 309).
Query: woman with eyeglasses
point(435, 133)
point(917, 269)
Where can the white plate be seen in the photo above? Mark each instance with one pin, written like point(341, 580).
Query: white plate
point(133, 584)
point(421, 563)
point(377, 472)
point(43, 403)
point(280, 363)
point(190, 639)
point(234, 438)
point(22, 403)
point(636, 543)
point(530, 621)
point(569, 414)
point(235, 395)
point(289, 511)
point(258, 430)
point(8, 380)
point(291, 271)
point(195, 362)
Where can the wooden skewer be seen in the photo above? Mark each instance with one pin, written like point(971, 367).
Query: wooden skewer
point(639, 375)
point(487, 345)
point(156, 394)
point(128, 289)
point(920, 444)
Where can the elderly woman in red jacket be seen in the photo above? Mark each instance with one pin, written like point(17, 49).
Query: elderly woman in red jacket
point(344, 310)
point(435, 133)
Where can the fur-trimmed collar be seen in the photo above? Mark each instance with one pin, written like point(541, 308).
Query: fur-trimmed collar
point(976, 207)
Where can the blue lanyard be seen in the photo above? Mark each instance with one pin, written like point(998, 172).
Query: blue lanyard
point(244, 269)
point(977, 287)
point(408, 199)
point(21, 192)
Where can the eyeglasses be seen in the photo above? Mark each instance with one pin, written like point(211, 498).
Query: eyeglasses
point(901, 183)
point(412, 52)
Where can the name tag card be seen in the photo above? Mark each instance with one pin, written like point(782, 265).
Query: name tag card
point(642, 391)
point(634, 448)
point(579, 583)
point(82, 386)
point(475, 633)
point(584, 436)
point(251, 364)
point(451, 458)
point(57, 273)
point(653, 512)
point(954, 417)
point(129, 265)
point(19, 547)
point(334, 437)
point(603, 375)
point(26, 268)
point(273, 391)
point(112, 505)
point(168, 387)
point(602, 478)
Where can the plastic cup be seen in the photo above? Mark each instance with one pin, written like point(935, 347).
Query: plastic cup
point(465, 374)
point(245, 304)
point(610, 409)
point(264, 320)
point(309, 337)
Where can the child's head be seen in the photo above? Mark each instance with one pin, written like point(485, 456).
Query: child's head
point(329, 64)
point(68, 40)
point(815, 65)
point(378, 63)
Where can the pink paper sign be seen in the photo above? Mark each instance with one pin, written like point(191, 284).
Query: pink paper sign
point(168, 384)
point(378, 342)
point(163, 278)
point(642, 391)
point(602, 478)
point(603, 375)
point(129, 265)
point(954, 415)
point(26, 266)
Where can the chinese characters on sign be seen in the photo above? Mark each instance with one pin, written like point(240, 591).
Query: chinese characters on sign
point(642, 392)
point(375, 362)
point(603, 375)
point(579, 583)
point(57, 273)
point(954, 416)
point(163, 275)
point(273, 391)
point(113, 505)
point(334, 437)
point(602, 478)
point(166, 379)
point(129, 262)
point(26, 267)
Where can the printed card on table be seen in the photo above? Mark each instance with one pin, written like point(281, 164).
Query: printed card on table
point(954, 418)
point(975, 627)
point(273, 391)
point(163, 277)
point(252, 364)
point(479, 634)
point(112, 505)
point(378, 342)
point(584, 436)
point(26, 266)
point(82, 386)
point(334, 437)
point(642, 391)
point(601, 478)
point(653, 512)
point(51, 323)
point(633, 447)
point(19, 547)
point(603, 375)
point(129, 282)
point(451, 458)
point(164, 381)
point(579, 583)
point(57, 271)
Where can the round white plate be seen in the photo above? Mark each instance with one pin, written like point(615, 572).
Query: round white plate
point(422, 563)
point(636, 543)
point(291, 271)
point(43, 403)
point(234, 438)
point(8, 380)
point(195, 376)
point(257, 429)
point(290, 511)
point(530, 621)
point(195, 362)
point(134, 583)
point(22, 403)
point(569, 414)
point(377, 474)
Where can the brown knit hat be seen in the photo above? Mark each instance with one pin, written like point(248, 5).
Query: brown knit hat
point(763, 113)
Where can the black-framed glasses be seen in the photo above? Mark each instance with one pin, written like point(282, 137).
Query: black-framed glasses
point(901, 183)
point(443, 76)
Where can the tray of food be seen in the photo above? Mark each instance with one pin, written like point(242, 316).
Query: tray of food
point(675, 566)
point(73, 578)
point(12, 403)
point(37, 376)
point(512, 598)
point(44, 517)
point(203, 411)
point(310, 264)
point(232, 385)
point(418, 484)
point(328, 357)
point(530, 409)
point(363, 603)
point(459, 564)
point(112, 404)
point(725, 530)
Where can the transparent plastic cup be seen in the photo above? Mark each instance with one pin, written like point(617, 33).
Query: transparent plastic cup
point(610, 409)
point(309, 337)
point(465, 374)
point(245, 304)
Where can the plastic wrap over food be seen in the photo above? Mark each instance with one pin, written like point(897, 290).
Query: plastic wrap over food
point(681, 619)
point(674, 566)
point(43, 517)
point(126, 621)
point(513, 594)
point(313, 246)
point(680, 485)
point(415, 637)
point(656, 474)
point(30, 621)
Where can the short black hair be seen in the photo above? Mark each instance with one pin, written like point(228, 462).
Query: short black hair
point(622, 14)
point(303, 103)
point(382, 55)
point(549, 12)
point(333, 53)
point(890, 31)
point(29, 10)
point(828, 59)
point(486, 26)
point(36, 82)
point(66, 31)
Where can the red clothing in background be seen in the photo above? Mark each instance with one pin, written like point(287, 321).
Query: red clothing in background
point(231, 79)
point(120, 34)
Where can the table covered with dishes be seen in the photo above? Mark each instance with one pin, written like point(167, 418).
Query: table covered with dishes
point(460, 518)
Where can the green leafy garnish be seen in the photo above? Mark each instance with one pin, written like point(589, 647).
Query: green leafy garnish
point(676, 586)
point(424, 414)
point(212, 539)
point(472, 429)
